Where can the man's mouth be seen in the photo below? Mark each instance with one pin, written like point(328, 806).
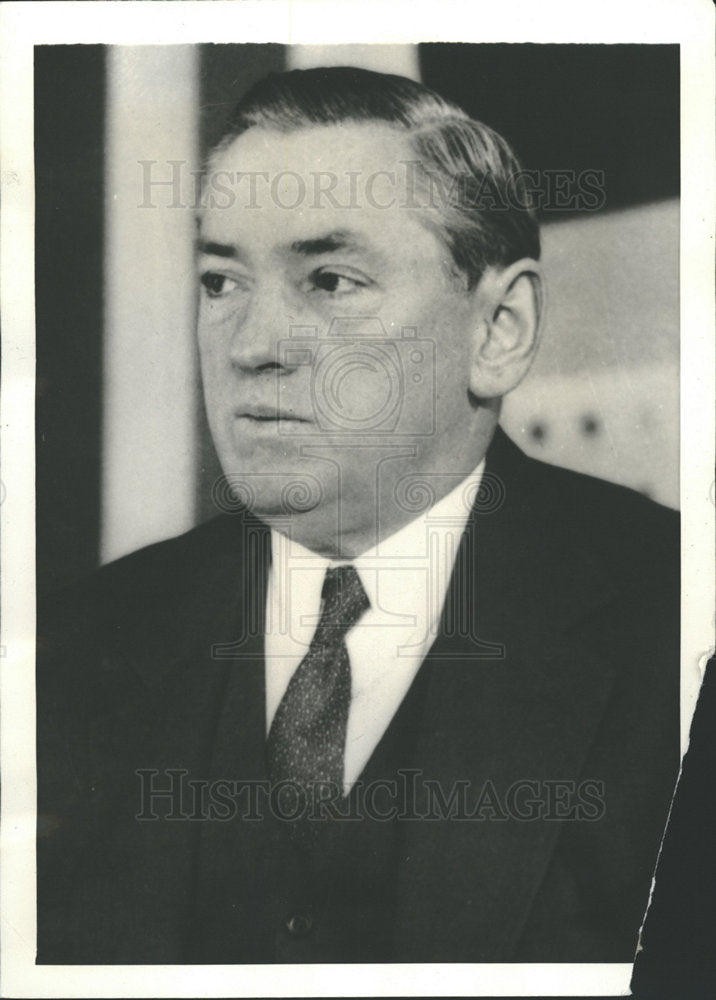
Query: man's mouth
point(268, 414)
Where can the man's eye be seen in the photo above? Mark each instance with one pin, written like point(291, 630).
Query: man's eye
point(338, 284)
point(216, 285)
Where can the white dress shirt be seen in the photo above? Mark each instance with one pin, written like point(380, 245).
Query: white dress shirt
point(406, 577)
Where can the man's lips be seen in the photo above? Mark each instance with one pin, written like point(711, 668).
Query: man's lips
point(269, 414)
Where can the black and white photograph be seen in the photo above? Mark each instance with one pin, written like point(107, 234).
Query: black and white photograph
point(370, 587)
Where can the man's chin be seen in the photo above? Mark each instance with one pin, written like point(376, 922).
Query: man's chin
point(269, 494)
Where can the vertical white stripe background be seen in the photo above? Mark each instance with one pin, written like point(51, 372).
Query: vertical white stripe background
point(400, 59)
point(149, 420)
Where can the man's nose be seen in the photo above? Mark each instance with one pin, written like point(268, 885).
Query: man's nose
point(256, 341)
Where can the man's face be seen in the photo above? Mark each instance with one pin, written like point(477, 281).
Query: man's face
point(335, 344)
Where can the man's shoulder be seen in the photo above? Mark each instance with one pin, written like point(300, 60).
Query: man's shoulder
point(584, 498)
point(171, 580)
point(635, 538)
point(571, 520)
point(619, 521)
point(179, 560)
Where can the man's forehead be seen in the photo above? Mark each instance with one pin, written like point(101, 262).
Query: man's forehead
point(336, 187)
point(343, 146)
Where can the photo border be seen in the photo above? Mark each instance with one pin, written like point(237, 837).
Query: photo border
point(22, 25)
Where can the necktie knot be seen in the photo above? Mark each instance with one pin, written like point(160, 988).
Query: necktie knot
point(344, 601)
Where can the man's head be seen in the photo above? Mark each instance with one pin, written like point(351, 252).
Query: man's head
point(367, 298)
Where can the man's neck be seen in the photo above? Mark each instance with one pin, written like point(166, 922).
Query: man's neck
point(341, 531)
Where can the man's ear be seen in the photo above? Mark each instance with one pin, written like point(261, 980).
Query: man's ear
point(510, 303)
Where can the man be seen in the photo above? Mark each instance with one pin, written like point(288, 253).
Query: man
point(414, 697)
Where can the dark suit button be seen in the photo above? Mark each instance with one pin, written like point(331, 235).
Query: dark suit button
point(299, 924)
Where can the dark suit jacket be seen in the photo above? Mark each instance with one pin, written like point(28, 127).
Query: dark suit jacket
point(557, 662)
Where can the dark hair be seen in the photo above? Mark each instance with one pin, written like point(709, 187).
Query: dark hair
point(481, 223)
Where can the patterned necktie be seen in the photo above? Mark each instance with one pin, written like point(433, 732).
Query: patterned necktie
point(306, 742)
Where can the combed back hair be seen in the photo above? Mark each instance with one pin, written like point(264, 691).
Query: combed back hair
point(485, 214)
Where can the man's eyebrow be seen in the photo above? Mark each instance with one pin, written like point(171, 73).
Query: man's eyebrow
point(216, 249)
point(338, 240)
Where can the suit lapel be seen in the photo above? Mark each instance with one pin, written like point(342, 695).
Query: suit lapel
point(238, 856)
point(513, 697)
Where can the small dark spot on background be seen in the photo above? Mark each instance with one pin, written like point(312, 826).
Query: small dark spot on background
point(538, 432)
point(590, 425)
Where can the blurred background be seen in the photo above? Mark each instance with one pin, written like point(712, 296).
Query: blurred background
point(123, 454)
